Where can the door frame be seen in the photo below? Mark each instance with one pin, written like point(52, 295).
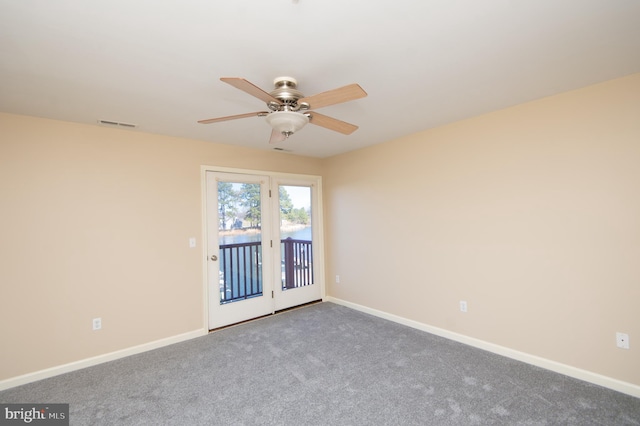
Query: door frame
point(318, 226)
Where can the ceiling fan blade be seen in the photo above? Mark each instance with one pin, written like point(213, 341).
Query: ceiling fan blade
point(332, 123)
point(276, 137)
point(335, 96)
point(250, 88)
point(233, 117)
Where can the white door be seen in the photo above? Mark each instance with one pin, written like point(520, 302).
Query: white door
point(264, 246)
point(299, 242)
point(240, 284)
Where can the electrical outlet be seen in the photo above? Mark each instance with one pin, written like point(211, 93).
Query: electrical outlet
point(463, 306)
point(192, 242)
point(337, 279)
point(97, 324)
point(622, 340)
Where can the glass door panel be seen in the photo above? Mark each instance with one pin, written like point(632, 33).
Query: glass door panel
point(296, 238)
point(239, 276)
point(240, 241)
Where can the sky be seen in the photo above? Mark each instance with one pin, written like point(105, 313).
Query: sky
point(300, 196)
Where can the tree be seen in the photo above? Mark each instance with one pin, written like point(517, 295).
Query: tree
point(226, 202)
point(299, 216)
point(286, 205)
point(250, 200)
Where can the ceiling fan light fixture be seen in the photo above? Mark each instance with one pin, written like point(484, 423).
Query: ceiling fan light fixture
point(287, 122)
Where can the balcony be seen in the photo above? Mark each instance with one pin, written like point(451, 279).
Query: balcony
point(241, 268)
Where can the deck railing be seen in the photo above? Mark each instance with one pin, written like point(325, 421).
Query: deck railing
point(241, 268)
point(240, 271)
point(297, 263)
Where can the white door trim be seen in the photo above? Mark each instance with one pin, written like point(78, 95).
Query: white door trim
point(318, 240)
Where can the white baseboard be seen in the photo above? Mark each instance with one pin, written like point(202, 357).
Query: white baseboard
point(567, 370)
point(88, 362)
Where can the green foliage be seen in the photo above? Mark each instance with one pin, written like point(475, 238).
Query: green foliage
point(299, 216)
point(289, 213)
point(250, 200)
point(286, 205)
point(245, 202)
point(226, 203)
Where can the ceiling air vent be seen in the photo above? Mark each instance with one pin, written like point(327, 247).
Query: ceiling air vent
point(117, 124)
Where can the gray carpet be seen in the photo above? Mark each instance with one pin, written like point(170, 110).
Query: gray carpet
point(325, 364)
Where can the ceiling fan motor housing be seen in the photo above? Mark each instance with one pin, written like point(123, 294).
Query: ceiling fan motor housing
point(285, 91)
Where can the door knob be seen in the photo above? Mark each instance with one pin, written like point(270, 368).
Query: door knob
point(214, 257)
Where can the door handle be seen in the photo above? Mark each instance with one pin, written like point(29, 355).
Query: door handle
point(214, 257)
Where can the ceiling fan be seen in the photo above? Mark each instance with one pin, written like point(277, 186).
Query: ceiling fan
point(289, 110)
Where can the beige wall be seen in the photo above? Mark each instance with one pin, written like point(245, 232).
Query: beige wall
point(95, 223)
point(531, 214)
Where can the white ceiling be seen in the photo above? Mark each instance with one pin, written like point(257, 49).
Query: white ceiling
point(424, 63)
